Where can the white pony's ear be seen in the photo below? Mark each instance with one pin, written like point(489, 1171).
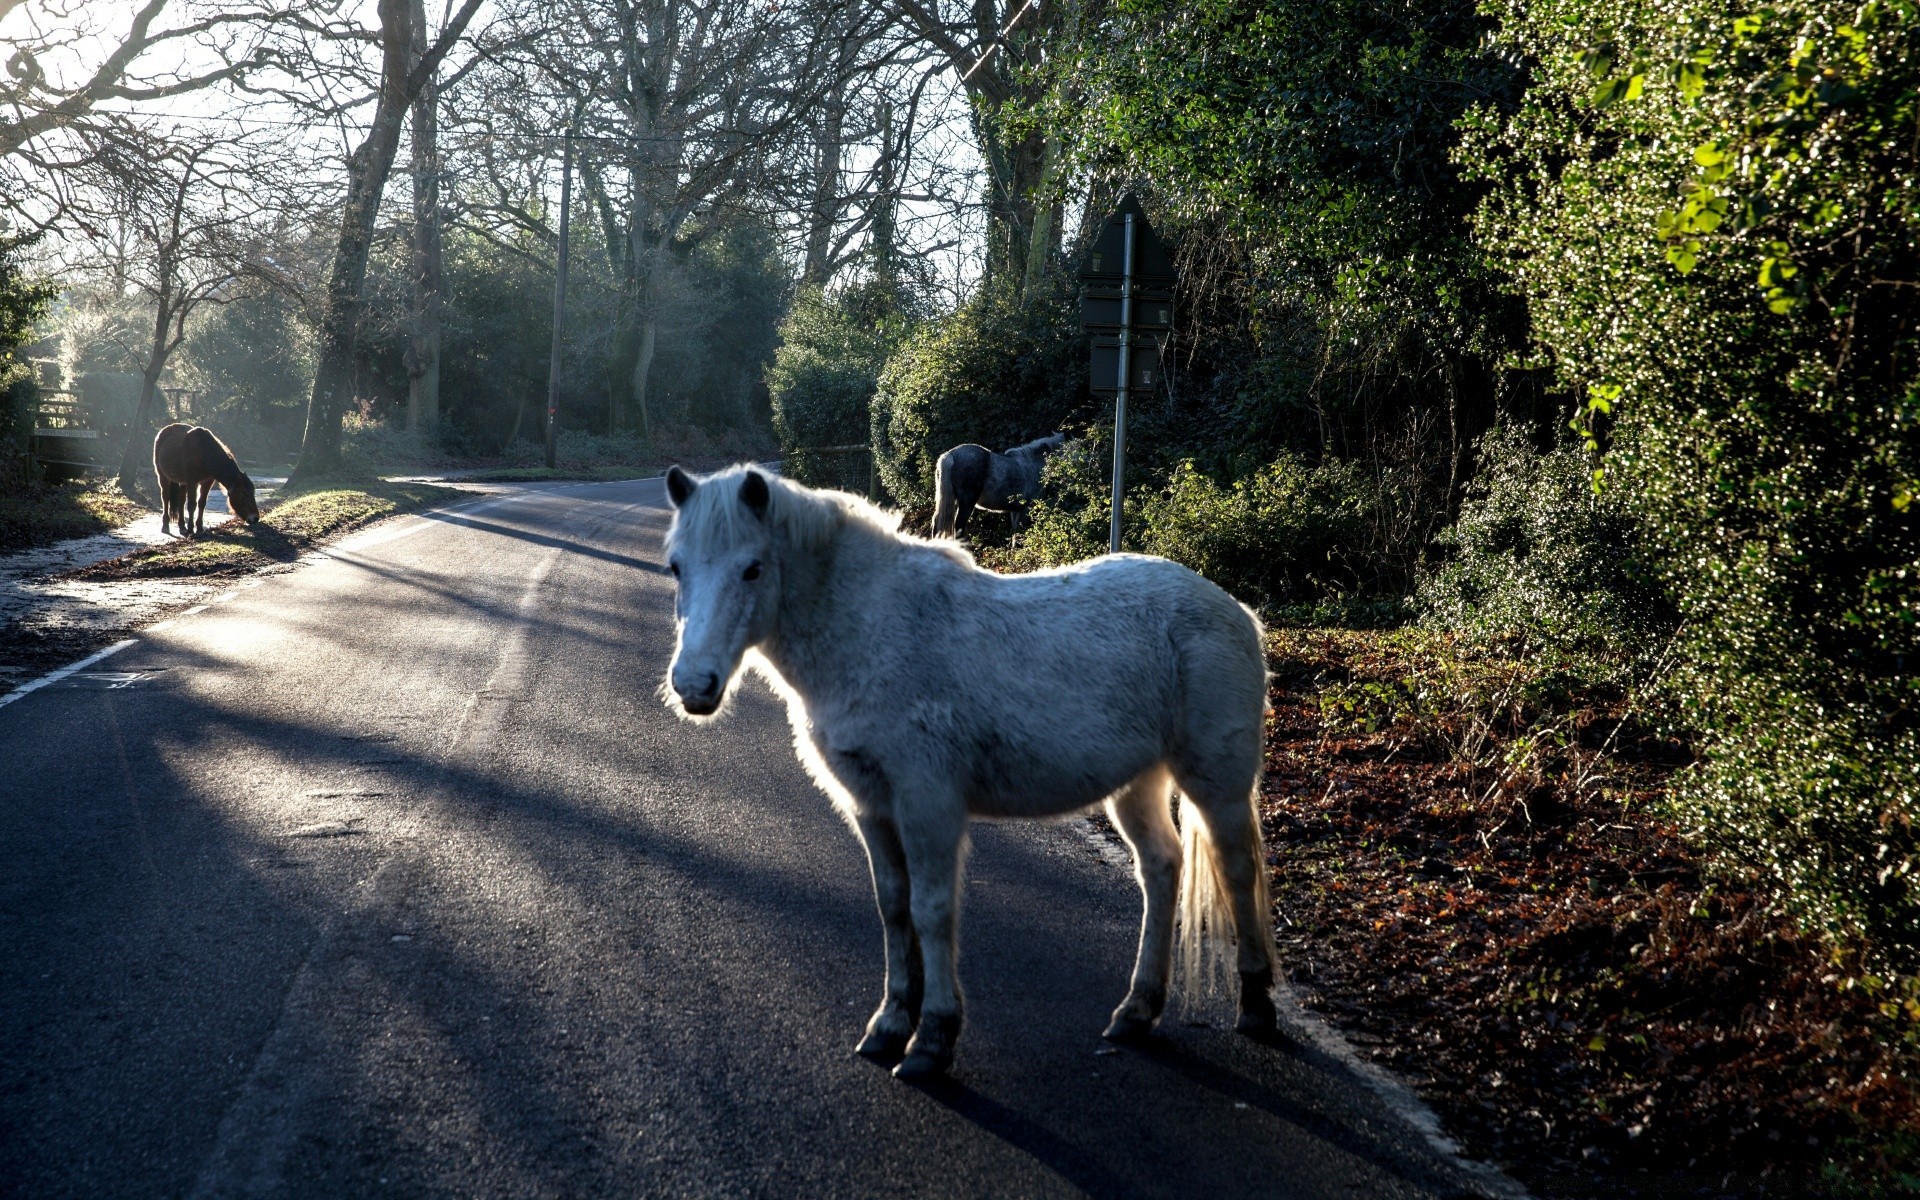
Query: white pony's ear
point(680, 486)
point(753, 493)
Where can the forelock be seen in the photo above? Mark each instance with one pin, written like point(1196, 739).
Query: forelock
point(715, 517)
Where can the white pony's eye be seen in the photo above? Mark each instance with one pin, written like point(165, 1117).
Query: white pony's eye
point(752, 572)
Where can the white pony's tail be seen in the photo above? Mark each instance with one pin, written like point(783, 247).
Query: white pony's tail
point(1206, 932)
point(944, 502)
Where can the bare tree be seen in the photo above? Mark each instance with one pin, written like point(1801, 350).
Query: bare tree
point(992, 48)
point(403, 76)
point(35, 103)
point(172, 217)
point(693, 107)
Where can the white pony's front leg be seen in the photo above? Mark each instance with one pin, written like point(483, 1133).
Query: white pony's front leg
point(933, 828)
point(1141, 813)
point(893, 1021)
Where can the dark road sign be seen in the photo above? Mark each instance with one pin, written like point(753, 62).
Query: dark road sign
point(1151, 310)
point(1143, 363)
point(1107, 260)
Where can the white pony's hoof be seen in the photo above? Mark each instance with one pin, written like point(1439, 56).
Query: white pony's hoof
point(1134, 1019)
point(920, 1065)
point(886, 1047)
point(930, 1052)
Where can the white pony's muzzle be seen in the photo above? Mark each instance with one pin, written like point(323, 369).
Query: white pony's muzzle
point(699, 691)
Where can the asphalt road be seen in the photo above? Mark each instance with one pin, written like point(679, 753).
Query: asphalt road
point(391, 876)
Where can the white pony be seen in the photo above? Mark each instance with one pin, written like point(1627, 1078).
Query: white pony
point(924, 690)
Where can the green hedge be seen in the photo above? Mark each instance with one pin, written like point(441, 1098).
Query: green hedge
point(1000, 371)
point(1284, 535)
point(1711, 213)
point(1541, 562)
point(823, 376)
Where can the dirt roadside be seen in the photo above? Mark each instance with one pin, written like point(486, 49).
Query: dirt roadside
point(1471, 883)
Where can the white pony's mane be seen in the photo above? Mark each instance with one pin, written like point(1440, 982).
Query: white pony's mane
point(1040, 443)
point(809, 517)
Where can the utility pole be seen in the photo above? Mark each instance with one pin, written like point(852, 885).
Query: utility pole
point(1129, 280)
point(1120, 396)
point(559, 298)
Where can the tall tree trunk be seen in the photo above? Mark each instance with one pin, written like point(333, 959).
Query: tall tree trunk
point(826, 194)
point(1044, 217)
point(825, 208)
point(367, 170)
point(642, 371)
point(423, 341)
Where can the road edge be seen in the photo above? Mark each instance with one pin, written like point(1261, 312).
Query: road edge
point(1394, 1093)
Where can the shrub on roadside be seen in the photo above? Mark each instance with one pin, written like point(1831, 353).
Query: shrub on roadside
point(823, 376)
point(1281, 535)
point(1543, 564)
point(999, 372)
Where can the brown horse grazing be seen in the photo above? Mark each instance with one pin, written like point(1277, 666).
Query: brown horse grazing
point(186, 457)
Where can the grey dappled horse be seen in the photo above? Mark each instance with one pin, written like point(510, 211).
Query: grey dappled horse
point(924, 690)
point(970, 476)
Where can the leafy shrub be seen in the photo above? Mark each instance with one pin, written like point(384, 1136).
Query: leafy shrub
point(1710, 214)
point(823, 376)
point(1281, 535)
point(999, 372)
point(22, 301)
point(1544, 563)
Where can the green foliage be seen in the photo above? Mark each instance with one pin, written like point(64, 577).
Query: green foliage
point(724, 304)
point(824, 374)
point(718, 305)
point(1711, 215)
point(22, 301)
point(1279, 535)
point(1544, 564)
point(1282, 535)
point(1301, 152)
point(254, 355)
point(999, 372)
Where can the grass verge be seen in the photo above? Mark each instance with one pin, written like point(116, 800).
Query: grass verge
point(41, 515)
point(1472, 879)
point(293, 524)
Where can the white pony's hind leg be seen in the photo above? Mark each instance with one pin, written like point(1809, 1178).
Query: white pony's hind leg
point(1141, 813)
point(1230, 847)
point(933, 828)
point(892, 1023)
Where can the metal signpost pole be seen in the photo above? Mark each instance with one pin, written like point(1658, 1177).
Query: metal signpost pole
point(559, 298)
point(1120, 399)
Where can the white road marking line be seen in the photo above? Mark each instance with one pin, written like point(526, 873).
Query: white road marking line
point(198, 608)
point(63, 672)
point(395, 532)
